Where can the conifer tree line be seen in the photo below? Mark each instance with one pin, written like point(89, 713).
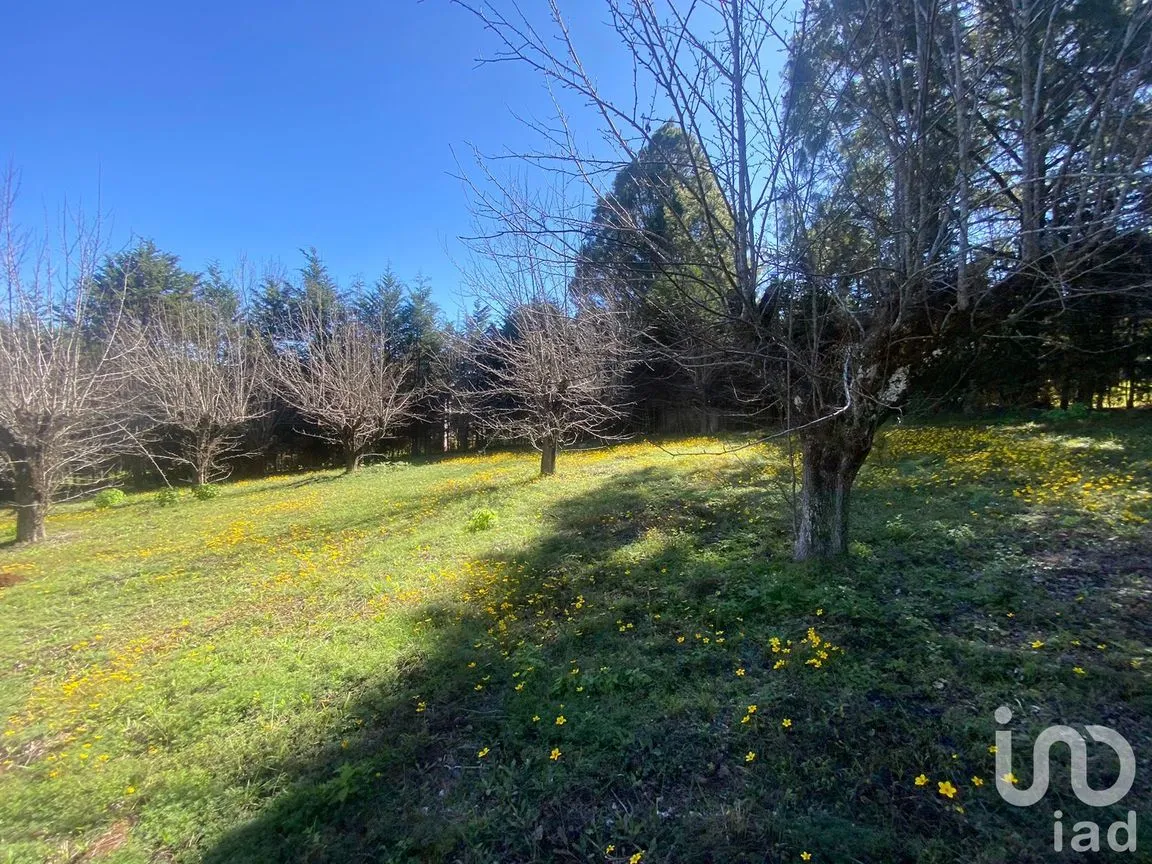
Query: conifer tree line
point(938, 203)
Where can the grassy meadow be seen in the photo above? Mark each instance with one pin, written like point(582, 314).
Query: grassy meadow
point(460, 661)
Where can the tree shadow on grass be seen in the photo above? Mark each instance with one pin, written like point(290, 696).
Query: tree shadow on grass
point(596, 690)
point(410, 785)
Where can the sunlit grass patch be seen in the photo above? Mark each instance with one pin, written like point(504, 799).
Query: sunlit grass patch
point(1090, 475)
point(326, 668)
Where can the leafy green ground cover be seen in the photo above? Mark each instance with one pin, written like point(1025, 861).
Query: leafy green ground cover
point(459, 661)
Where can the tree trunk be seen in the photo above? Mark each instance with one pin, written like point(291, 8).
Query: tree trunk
point(548, 458)
point(1031, 210)
point(351, 460)
point(202, 458)
point(31, 506)
point(447, 425)
point(708, 421)
point(832, 455)
point(1130, 364)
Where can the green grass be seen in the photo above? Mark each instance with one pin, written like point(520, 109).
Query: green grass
point(309, 668)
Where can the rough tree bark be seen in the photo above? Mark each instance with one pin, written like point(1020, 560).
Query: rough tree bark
point(351, 451)
point(31, 499)
point(351, 461)
point(204, 455)
point(548, 457)
point(832, 454)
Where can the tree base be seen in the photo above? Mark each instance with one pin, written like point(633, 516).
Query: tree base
point(833, 453)
point(548, 459)
point(30, 526)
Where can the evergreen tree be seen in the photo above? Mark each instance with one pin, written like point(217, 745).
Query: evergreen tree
point(143, 284)
point(380, 307)
point(317, 294)
point(270, 313)
point(216, 291)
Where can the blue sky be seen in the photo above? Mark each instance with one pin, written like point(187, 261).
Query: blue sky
point(221, 128)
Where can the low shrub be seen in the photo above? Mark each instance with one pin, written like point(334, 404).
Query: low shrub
point(1077, 411)
point(108, 498)
point(206, 491)
point(481, 519)
point(898, 529)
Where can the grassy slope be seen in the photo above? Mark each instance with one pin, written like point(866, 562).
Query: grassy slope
point(322, 668)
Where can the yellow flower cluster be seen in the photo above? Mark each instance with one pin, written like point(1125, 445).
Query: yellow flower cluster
point(1042, 470)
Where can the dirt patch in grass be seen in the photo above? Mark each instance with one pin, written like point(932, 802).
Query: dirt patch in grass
point(107, 843)
point(8, 578)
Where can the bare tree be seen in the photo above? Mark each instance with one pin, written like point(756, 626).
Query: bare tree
point(925, 170)
point(346, 380)
point(63, 393)
point(554, 374)
point(945, 204)
point(201, 377)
